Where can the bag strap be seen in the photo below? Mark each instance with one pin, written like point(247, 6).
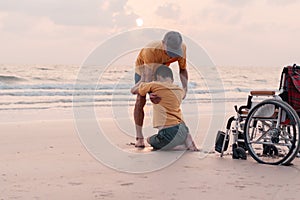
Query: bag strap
point(284, 72)
point(296, 69)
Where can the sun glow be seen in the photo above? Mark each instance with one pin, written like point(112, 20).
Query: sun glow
point(139, 22)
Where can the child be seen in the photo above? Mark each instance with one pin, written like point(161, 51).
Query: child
point(167, 116)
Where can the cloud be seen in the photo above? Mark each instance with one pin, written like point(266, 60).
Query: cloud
point(169, 11)
point(52, 31)
point(64, 31)
point(234, 3)
point(102, 13)
point(64, 12)
point(282, 2)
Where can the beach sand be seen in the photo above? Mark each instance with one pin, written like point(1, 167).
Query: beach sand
point(45, 159)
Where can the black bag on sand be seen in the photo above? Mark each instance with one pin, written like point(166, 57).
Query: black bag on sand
point(220, 140)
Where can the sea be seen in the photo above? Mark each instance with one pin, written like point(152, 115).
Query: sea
point(48, 87)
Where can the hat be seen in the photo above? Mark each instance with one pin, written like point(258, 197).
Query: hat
point(173, 42)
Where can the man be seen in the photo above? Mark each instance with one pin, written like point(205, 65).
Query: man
point(170, 49)
point(167, 116)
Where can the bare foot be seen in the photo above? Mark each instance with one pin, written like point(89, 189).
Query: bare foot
point(190, 144)
point(193, 147)
point(181, 147)
point(139, 143)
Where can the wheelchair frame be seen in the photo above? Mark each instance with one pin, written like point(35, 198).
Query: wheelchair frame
point(269, 131)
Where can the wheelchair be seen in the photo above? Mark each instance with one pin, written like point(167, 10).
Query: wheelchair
point(268, 126)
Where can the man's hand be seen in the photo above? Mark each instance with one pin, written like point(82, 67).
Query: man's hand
point(154, 98)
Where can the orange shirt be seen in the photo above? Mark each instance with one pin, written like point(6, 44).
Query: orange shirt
point(154, 55)
point(167, 112)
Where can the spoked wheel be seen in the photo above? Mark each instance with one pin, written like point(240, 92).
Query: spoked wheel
point(272, 132)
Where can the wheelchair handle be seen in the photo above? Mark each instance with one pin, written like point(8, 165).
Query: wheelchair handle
point(262, 93)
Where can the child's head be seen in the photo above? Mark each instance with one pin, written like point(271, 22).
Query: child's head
point(164, 72)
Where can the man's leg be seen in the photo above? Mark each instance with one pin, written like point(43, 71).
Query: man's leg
point(139, 115)
point(139, 119)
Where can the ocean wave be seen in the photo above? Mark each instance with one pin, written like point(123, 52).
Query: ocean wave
point(112, 101)
point(261, 80)
point(44, 68)
point(10, 79)
point(67, 86)
point(57, 86)
point(99, 92)
point(46, 79)
point(63, 93)
point(244, 90)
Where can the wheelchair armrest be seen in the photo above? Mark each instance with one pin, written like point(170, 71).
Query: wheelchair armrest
point(243, 110)
point(262, 93)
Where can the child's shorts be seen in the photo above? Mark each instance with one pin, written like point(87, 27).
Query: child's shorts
point(168, 138)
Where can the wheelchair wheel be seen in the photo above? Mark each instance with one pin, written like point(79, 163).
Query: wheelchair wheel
point(272, 132)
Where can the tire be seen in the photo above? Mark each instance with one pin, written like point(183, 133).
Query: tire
point(239, 153)
point(270, 140)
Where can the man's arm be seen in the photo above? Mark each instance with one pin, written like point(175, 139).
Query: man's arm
point(148, 77)
point(183, 71)
point(184, 80)
point(141, 88)
point(145, 77)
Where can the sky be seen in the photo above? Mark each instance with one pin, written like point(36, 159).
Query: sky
point(233, 32)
